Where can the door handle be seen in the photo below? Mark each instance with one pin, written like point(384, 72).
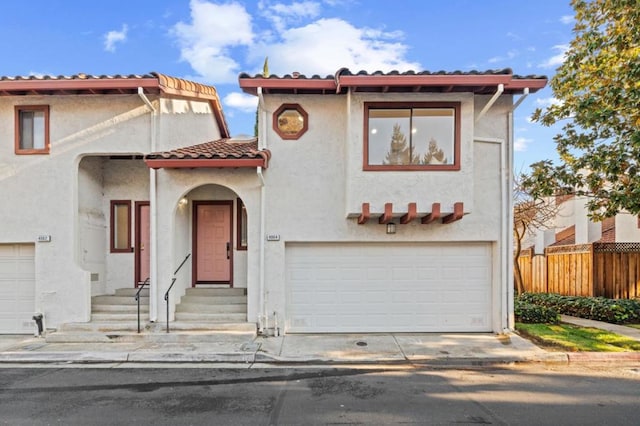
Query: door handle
point(228, 250)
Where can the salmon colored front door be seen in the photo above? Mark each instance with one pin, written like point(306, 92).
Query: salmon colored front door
point(213, 247)
point(142, 244)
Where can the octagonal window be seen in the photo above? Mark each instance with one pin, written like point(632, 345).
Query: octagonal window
point(290, 121)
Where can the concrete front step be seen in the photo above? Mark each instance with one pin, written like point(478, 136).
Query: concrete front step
point(211, 317)
point(131, 292)
point(131, 309)
point(114, 316)
point(213, 292)
point(179, 332)
point(212, 309)
point(118, 300)
point(215, 300)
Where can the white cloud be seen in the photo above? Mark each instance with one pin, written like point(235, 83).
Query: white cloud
point(510, 55)
point(206, 41)
point(558, 59)
point(520, 144)
point(567, 19)
point(545, 102)
point(220, 40)
point(281, 15)
point(113, 37)
point(325, 45)
point(241, 101)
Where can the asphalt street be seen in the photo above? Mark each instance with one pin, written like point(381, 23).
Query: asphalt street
point(507, 395)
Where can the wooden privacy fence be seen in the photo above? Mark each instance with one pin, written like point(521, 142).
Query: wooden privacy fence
point(599, 269)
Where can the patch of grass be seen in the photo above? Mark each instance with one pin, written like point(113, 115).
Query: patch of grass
point(576, 339)
point(633, 325)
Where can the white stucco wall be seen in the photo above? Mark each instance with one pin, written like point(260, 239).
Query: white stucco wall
point(316, 185)
point(61, 195)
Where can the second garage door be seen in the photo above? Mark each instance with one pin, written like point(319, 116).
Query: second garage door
point(371, 287)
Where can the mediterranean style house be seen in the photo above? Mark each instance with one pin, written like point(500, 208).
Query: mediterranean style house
point(369, 202)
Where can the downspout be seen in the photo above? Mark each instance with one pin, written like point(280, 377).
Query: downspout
point(262, 144)
point(510, 134)
point(153, 223)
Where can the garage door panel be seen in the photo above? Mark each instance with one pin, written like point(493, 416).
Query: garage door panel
point(380, 287)
point(17, 288)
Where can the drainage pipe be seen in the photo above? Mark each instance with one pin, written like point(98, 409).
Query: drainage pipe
point(153, 210)
point(262, 144)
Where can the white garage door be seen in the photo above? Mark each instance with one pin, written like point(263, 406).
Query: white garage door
point(17, 288)
point(370, 287)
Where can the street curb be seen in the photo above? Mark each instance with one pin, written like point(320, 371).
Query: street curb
point(265, 358)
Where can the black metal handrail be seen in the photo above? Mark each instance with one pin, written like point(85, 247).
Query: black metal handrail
point(173, 281)
point(137, 297)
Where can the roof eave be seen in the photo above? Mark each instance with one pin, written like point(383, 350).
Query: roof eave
point(199, 163)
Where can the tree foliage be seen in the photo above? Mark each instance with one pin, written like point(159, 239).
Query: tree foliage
point(598, 89)
point(529, 215)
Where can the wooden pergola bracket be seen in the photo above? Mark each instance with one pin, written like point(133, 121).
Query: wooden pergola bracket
point(458, 212)
point(365, 215)
point(412, 213)
point(433, 216)
point(387, 215)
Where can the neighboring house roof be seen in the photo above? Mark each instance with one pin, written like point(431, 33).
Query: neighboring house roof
point(220, 153)
point(83, 84)
point(565, 237)
point(406, 82)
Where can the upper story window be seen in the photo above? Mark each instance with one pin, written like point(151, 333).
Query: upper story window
point(290, 121)
point(412, 136)
point(32, 129)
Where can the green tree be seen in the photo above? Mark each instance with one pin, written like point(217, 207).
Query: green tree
point(530, 215)
point(399, 150)
point(598, 89)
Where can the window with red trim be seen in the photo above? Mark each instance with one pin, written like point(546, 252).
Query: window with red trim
point(412, 136)
point(120, 240)
point(32, 129)
point(241, 225)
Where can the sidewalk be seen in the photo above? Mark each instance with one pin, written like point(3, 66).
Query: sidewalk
point(438, 349)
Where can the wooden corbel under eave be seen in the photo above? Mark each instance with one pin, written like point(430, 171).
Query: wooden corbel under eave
point(365, 215)
point(412, 213)
point(433, 216)
point(458, 212)
point(387, 215)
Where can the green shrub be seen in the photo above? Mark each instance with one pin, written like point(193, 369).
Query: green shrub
point(535, 314)
point(616, 311)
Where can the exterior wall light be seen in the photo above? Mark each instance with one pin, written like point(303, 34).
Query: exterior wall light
point(183, 201)
point(391, 228)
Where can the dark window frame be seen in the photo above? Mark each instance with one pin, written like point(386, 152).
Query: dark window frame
point(18, 144)
point(455, 166)
point(305, 121)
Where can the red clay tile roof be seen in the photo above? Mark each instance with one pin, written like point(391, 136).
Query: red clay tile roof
point(394, 81)
point(83, 84)
point(220, 153)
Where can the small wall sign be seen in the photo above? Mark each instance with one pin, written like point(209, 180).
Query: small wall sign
point(273, 237)
point(44, 238)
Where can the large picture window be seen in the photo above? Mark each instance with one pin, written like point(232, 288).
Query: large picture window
point(32, 129)
point(417, 136)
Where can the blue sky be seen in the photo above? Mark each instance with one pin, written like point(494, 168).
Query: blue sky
point(213, 41)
